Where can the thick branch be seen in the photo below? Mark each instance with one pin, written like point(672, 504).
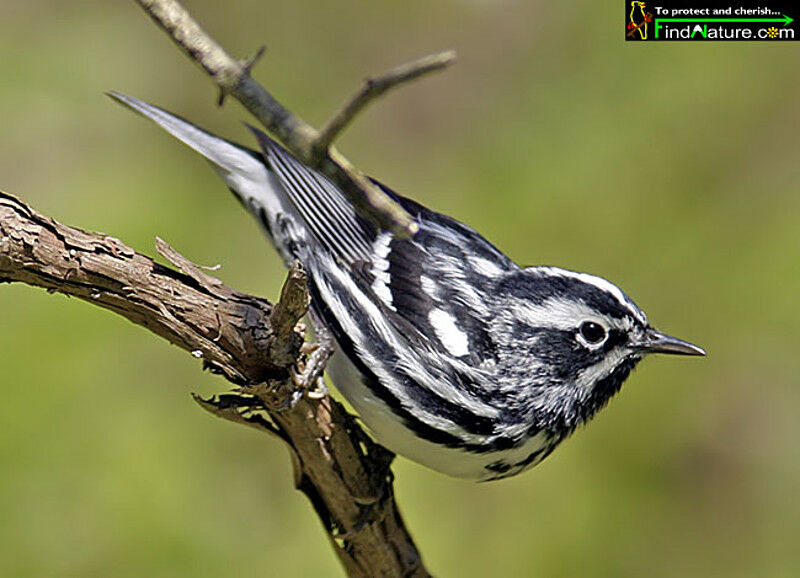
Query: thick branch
point(201, 315)
point(233, 78)
point(252, 343)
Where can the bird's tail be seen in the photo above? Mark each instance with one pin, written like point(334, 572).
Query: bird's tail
point(242, 169)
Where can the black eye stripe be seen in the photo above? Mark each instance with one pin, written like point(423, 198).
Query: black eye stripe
point(615, 337)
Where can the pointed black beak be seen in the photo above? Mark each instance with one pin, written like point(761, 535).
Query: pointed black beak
point(657, 342)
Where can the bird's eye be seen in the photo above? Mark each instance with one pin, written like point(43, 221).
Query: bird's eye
point(592, 332)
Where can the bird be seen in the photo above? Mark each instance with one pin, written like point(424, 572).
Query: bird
point(450, 353)
point(638, 18)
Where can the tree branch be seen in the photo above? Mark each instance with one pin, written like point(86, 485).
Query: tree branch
point(304, 141)
point(375, 87)
point(256, 346)
point(253, 344)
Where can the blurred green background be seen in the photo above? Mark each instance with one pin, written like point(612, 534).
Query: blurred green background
point(671, 169)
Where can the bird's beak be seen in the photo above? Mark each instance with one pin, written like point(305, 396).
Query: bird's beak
point(657, 342)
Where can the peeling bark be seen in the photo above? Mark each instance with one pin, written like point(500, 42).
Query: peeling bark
point(255, 345)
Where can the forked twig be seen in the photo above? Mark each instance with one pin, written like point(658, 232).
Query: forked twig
point(303, 140)
point(375, 87)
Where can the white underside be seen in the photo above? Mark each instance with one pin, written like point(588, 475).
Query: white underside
point(390, 432)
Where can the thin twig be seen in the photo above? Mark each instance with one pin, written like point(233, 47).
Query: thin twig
point(375, 87)
point(286, 314)
point(233, 78)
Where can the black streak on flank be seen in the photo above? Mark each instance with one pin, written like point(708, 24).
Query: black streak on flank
point(473, 424)
point(503, 469)
point(498, 467)
point(262, 217)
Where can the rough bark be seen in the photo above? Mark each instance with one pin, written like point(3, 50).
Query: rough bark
point(257, 346)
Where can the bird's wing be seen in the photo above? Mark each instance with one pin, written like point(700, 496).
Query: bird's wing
point(403, 311)
point(328, 215)
point(428, 286)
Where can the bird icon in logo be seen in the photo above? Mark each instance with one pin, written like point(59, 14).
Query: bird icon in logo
point(638, 20)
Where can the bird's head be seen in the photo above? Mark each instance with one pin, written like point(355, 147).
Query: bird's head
point(568, 341)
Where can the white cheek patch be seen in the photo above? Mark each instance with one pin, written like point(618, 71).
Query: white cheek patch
point(453, 339)
point(592, 375)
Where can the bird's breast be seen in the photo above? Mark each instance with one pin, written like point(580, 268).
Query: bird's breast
point(390, 431)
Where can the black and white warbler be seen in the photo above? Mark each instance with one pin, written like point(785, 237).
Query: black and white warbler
point(454, 356)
